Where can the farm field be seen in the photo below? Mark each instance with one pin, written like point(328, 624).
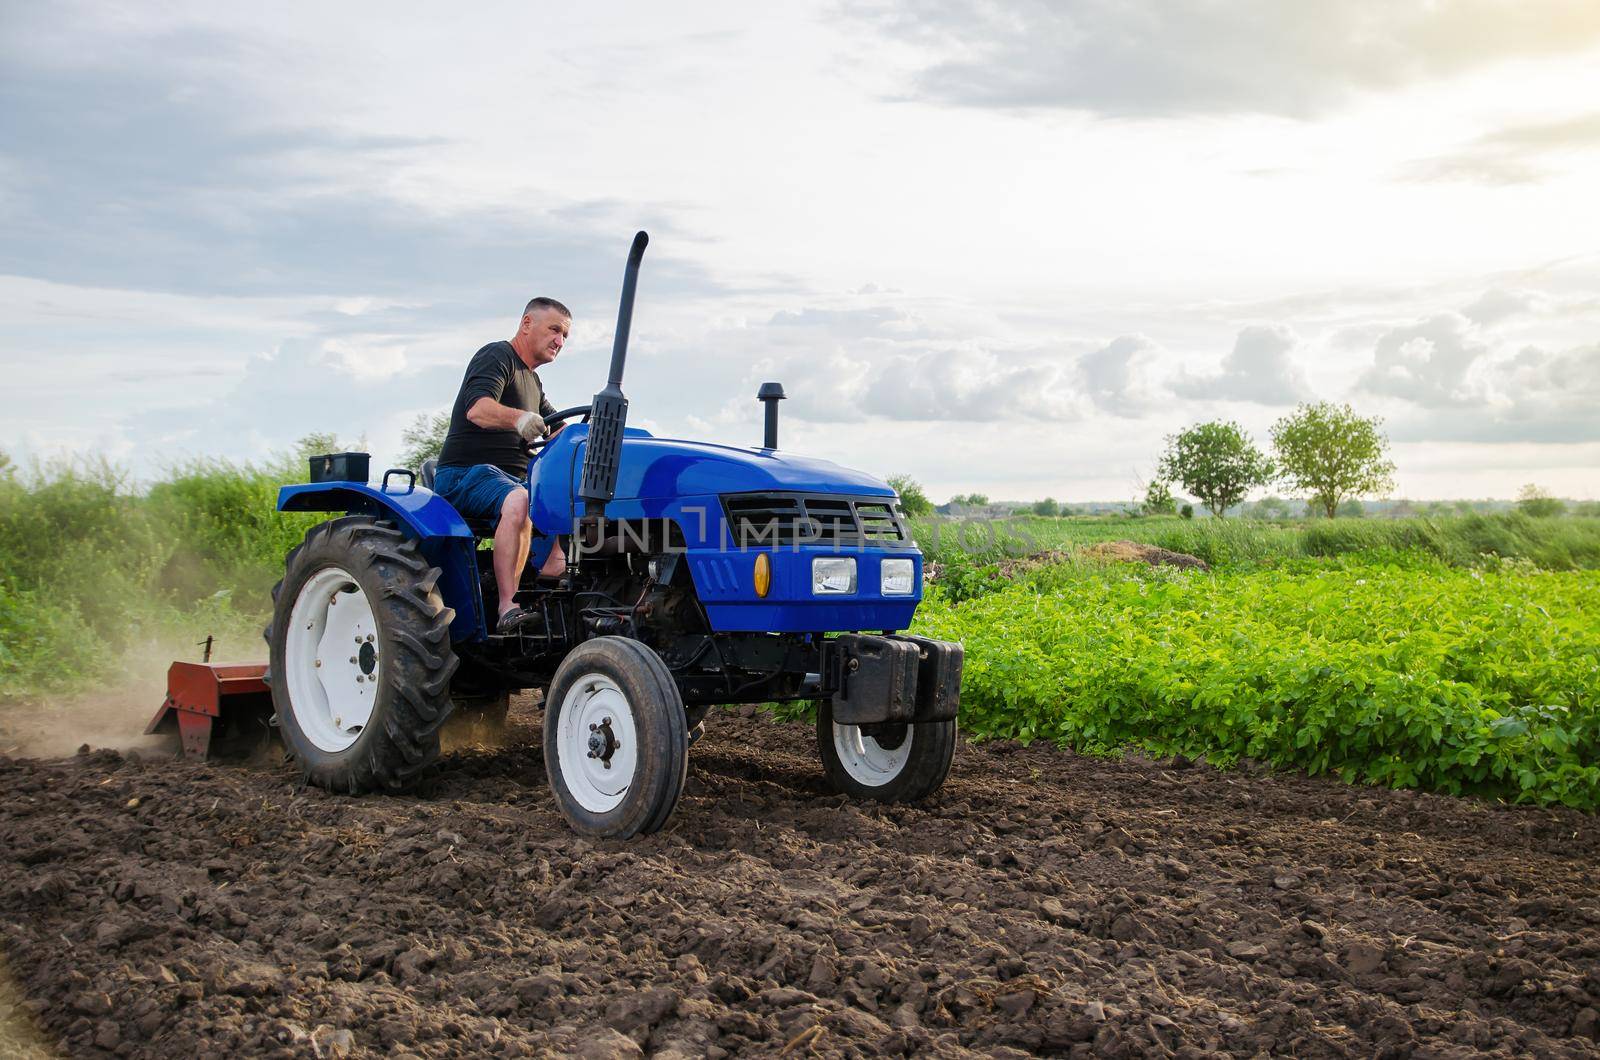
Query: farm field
point(1043, 902)
point(1060, 894)
point(1479, 681)
point(1456, 654)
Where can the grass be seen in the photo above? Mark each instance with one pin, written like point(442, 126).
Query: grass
point(1565, 543)
point(90, 568)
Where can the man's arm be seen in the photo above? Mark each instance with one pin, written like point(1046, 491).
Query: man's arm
point(489, 414)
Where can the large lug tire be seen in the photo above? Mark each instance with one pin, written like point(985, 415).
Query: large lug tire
point(895, 763)
point(360, 656)
point(616, 742)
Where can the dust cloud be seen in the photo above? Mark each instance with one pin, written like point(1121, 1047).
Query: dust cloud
point(114, 714)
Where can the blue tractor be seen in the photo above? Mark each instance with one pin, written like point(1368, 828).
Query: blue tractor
point(698, 574)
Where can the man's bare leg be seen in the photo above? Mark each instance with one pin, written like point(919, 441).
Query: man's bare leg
point(555, 564)
point(512, 538)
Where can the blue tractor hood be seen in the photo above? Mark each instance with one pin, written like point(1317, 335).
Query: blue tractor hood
point(681, 480)
point(666, 467)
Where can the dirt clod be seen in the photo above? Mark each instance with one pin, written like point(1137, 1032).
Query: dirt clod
point(1120, 907)
point(1137, 552)
point(1363, 958)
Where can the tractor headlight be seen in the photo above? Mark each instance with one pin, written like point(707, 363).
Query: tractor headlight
point(833, 575)
point(896, 577)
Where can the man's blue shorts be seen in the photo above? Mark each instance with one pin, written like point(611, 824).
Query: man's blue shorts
point(476, 492)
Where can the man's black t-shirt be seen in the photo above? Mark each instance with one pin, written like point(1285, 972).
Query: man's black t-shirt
point(497, 373)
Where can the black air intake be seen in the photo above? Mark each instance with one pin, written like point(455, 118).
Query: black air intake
point(609, 413)
point(764, 520)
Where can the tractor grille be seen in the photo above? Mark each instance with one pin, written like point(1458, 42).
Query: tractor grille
point(764, 519)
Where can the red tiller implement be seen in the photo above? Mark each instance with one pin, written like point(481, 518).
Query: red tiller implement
point(229, 704)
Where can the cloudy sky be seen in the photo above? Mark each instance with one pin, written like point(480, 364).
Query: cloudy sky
point(1003, 247)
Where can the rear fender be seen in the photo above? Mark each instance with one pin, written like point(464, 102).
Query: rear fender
point(442, 536)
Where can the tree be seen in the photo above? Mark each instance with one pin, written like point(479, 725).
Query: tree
point(1330, 453)
point(913, 500)
point(1352, 508)
point(1047, 507)
point(424, 439)
point(1217, 462)
point(1187, 511)
point(1158, 499)
point(1272, 507)
point(1535, 502)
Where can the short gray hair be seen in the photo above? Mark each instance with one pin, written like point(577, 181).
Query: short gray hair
point(547, 303)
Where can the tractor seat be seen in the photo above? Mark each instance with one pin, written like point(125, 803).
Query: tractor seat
point(479, 527)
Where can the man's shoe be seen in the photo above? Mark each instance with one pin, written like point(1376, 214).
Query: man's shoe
point(520, 620)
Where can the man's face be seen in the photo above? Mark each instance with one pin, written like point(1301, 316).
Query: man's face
point(547, 329)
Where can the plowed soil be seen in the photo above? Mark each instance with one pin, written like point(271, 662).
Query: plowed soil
point(1043, 902)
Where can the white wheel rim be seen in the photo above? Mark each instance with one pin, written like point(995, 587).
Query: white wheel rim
point(598, 743)
point(868, 762)
point(333, 659)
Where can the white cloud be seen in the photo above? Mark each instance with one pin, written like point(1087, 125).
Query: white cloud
point(969, 385)
point(365, 360)
point(1428, 363)
point(1498, 304)
point(1119, 377)
point(1179, 57)
point(1540, 395)
point(1259, 369)
point(1520, 154)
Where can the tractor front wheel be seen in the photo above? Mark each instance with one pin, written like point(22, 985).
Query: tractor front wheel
point(361, 656)
point(616, 739)
point(890, 762)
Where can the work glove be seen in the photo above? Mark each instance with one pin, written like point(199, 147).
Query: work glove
point(531, 426)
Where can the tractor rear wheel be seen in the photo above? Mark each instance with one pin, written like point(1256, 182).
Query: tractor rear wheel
point(360, 656)
point(890, 763)
point(616, 739)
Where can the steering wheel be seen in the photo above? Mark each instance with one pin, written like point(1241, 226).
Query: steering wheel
point(549, 421)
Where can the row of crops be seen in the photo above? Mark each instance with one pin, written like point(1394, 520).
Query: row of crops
point(1455, 654)
point(1389, 667)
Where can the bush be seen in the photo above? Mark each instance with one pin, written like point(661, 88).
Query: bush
point(913, 499)
point(1537, 504)
point(1158, 499)
point(89, 568)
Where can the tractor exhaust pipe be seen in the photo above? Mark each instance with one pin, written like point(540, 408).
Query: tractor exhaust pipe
point(630, 282)
point(769, 395)
point(609, 413)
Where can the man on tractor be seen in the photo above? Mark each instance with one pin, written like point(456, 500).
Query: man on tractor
point(483, 467)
